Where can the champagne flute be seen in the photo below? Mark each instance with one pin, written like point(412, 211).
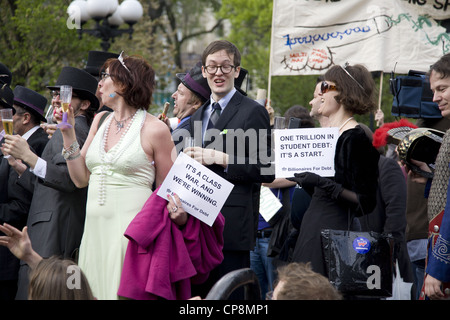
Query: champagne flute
point(279, 123)
point(49, 114)
point(7, 120)
point(65, 96)
point(189, 142)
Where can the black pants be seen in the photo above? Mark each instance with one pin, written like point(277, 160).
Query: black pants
point(8, 289)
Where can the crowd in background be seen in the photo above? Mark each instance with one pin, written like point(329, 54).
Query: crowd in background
point(78, 187)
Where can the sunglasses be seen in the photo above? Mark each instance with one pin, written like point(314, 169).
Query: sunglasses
point(325, 87)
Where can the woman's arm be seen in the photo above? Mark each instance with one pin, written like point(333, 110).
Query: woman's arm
point(76, 163)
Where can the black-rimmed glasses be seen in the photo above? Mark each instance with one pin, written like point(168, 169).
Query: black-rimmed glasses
point(225, 69)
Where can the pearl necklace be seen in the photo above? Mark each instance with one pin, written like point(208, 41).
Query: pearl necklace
point(345, 122)
point(107, 162)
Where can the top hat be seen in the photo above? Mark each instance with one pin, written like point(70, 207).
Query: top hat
point(30, 100)
point(83, 84)
point(195, 82)
point(96, 59)
point(5, 74)
point(6, 97)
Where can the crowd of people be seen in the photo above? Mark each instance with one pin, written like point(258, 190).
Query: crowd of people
point(84, 195)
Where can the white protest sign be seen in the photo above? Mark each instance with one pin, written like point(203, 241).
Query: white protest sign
point(308, 149)
point(269, 204)
point(202, 192)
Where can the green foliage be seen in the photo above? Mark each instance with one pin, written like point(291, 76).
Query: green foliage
point(36, 42)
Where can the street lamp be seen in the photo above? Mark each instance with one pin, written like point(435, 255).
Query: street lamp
point(108, 16)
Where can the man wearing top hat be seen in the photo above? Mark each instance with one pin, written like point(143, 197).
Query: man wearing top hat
point(29, 108)
point(191, 93)
point(56, 217)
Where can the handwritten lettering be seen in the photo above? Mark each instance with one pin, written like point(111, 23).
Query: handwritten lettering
point(313, 39)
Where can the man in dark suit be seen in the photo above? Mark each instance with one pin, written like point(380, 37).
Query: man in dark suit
point(234, 132)
point(8, 263)
point(57, 212)
point(29, 107)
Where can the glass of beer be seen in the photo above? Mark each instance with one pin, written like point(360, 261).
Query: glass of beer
point(7, 120)
point(65, 96)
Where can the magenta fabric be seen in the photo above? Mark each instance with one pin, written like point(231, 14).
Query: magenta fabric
point(161, 260)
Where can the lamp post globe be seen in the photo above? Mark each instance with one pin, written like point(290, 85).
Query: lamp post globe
point(108, 16)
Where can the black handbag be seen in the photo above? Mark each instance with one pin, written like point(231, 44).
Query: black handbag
point(359, 263)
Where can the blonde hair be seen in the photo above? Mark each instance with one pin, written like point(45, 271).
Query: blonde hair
point(50, 281)
point(302, 283)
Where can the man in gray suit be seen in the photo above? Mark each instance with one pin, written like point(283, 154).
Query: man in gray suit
point(57, 212)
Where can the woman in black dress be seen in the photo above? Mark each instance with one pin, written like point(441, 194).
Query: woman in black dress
point(346, 90)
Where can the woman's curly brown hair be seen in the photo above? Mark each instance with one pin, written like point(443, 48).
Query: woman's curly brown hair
point(354, 98)
point(137, 83)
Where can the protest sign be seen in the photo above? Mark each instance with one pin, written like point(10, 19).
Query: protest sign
point(202, 192)
point(269, 204)
point(305, 150)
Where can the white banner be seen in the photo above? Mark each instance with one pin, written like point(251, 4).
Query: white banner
point(308, 37)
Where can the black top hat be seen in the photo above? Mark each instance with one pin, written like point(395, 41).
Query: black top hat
point(6, 97)
point(83, 84)
point(195, 82)
point(5, 75)
point(96, 59)
point(30, 100)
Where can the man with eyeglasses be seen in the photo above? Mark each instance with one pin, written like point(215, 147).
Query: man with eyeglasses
point(232, 138)
point(57, 211)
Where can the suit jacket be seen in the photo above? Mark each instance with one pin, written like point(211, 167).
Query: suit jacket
point(38, 140)
point(180, 132)
point(249, 164)
point(15, 203)
point(58, 208)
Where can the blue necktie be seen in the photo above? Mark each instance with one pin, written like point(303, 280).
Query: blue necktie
point(215, 114)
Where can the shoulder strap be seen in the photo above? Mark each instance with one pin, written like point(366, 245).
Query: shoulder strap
point(103, 119)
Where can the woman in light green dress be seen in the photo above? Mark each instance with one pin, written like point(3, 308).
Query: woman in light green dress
point(120, 161)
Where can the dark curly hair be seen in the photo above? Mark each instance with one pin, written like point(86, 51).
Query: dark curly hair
point(354, 98)
point(137, 83)
point(298, 111)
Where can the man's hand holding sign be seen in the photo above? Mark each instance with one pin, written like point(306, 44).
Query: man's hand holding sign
point(198, 190)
